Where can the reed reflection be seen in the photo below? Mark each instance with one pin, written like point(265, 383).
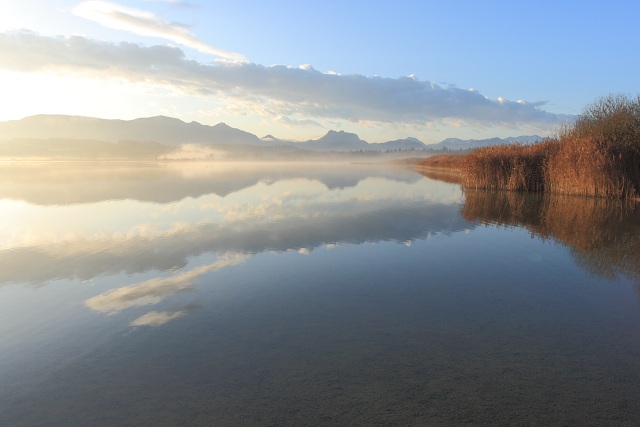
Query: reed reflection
point(450, 176)
point(603, 235)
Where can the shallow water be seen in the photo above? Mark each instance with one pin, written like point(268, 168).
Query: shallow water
point(200, 294)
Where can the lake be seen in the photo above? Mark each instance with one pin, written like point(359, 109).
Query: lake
point(310, 294)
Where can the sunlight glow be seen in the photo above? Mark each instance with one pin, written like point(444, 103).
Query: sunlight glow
point(49, 93)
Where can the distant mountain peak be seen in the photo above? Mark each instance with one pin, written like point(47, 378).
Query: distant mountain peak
point(340, 135)
point(159, 120)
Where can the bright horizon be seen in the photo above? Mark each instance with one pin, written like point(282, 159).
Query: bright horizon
point(385, 70)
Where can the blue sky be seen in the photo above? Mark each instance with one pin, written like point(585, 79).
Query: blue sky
point(384, 70)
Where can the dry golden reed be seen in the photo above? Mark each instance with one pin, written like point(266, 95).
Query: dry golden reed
point(599, 155)
point(508, 167)
point(442, 161)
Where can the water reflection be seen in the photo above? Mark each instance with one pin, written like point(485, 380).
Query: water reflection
point(78, 221)
point(154, 290)
point(444, 175)
point(294, 298)
point(77, 182)
point(603, 235)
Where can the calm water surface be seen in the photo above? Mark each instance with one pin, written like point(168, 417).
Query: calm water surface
point(200, 294)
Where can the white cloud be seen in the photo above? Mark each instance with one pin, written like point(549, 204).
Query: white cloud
point(175, 2)
point(300, 93)
point(144, 23)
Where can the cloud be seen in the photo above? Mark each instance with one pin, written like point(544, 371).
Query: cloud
point(144, 23)
point(174, 2)
point(300, 93)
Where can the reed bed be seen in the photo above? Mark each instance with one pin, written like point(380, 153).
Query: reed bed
point(599, 155)
point(513, 167)
point(442, 161)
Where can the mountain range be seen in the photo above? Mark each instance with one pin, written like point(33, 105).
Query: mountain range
point(346, 141)
point(172, 132)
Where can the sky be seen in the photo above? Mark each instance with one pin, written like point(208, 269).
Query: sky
point(385, 70)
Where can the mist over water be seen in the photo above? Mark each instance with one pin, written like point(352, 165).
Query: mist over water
point(306, 294)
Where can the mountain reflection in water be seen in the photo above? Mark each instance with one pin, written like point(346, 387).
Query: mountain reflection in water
point(76, 211)
point(67, 183)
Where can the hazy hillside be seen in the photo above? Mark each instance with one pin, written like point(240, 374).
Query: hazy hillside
point(403, 144)
point(160, 129)
point(463, 144)
point(77, 149)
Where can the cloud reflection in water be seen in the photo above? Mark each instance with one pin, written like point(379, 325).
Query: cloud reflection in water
point(154, 290)
point(168, 220)
point(287, 214)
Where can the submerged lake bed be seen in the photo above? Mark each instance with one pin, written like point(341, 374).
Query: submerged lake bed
point(282, 294)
